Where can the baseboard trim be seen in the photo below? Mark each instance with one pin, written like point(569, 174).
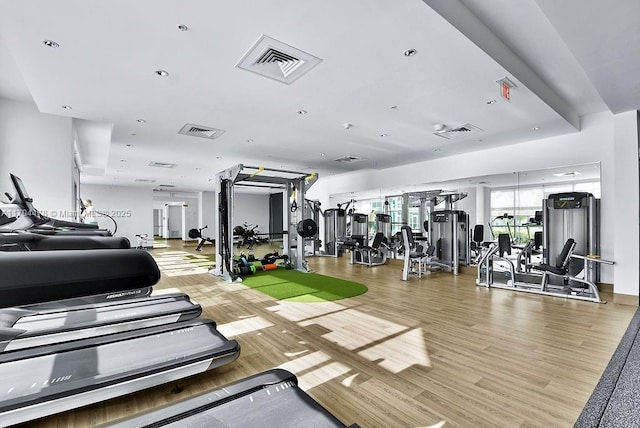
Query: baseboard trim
point(626, 299)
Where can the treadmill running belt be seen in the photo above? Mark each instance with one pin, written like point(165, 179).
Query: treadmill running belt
point(50, 379)
point(32, 328)
point(270, 399)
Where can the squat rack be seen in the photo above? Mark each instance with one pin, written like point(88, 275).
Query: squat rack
point(292, 184)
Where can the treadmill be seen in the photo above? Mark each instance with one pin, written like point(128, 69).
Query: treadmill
point(31, 317)
point(31, 219)
point(54, 378)
point(57, 355)
point(270, 399)
point(29, 241)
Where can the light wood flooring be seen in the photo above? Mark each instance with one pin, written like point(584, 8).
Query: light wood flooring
point(435, 351)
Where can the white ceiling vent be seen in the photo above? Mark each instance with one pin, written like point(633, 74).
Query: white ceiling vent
point(162, 164)
point(201, 131)
point(459, 132)
point(168, 186)
point(348, 159)
point(276, 60)
point(144, 180)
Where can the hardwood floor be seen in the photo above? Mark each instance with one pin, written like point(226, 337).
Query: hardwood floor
point(404, 354)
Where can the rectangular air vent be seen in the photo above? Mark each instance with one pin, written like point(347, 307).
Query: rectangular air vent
point(348, 159)
point(201, 131)
point(277, 60)
point(166, 186)
point(459, 132)
point(144, 180)
point(162, 164)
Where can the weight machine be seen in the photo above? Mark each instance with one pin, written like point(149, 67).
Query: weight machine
point(293, 184)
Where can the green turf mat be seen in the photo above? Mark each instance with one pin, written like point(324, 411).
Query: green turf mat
point(295, 286)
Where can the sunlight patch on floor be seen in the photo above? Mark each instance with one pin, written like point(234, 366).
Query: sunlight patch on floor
point(400, 352)
point(300, 311)
point(247, 325)
point(353, 329)
point(321, 375)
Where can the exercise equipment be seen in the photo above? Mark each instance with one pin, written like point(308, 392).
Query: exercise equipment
point(557, 279)
point(270, 399)
point(383, 224)
point(197, 234)
point(29, 241)
point(572, 215)
point(335, 230)
point(24, 216)
point(371, 255)
point(314, 212)
point(53, 378)
point(63, 346)
point(41, 276)
point(449, 235)
point(293, 186)
point(416, 258)
point(48, 323)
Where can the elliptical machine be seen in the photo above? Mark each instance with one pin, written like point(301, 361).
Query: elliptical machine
point(197, 234)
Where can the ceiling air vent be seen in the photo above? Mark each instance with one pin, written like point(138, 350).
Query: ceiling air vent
point(277, 60)
point(162, 164)
point(348, 159)
point(166, 186)
point(144, 180)
point(459, 132)
point(201, 131)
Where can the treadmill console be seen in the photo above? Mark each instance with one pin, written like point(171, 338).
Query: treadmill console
point(22, 197)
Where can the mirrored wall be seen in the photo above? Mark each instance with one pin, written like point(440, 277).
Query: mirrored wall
point(503, 203)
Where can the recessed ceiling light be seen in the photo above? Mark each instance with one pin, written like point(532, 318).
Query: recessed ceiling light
point(250, 140)
point(436, 150)
point(394, 107)
point(218, 157)
point(323, 154)
point(66, 107)
point(491, 102)
point(302, 112)
point(141, 121)
point(480, 141)
point(410, 52)
point(182, 27)
point(198, 169)
point(384, 135)
point(535, 128)
point(123, 160)
point(51, 44)
point(134, 134)
point(162, 73)
point(130, 145)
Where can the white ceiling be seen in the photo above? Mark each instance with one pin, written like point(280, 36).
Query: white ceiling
point(565, 64)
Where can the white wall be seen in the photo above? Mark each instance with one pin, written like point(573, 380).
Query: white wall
point(38, 148)
point(209, 213)
point(594, 143)
point(625, 202)
point(252, 209)
point(131, 207)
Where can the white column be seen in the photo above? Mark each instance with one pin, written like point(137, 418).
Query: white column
point(626, 199)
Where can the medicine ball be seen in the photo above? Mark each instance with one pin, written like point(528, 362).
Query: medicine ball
point(307, 228)
point(194, 233)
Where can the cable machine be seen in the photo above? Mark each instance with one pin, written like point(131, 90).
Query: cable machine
point(293, 184)
point(572, 215)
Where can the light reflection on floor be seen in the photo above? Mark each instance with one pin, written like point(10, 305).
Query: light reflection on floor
point(176, 263)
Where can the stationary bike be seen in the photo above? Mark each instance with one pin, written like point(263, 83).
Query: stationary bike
point(197, 234)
